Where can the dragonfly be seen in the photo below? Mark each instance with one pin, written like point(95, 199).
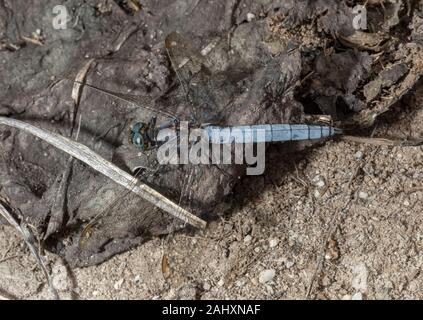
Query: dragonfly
point(192, 74)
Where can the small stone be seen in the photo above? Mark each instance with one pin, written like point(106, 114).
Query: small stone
point(250, 16)
point(248, 239)
point(273, 243)
point(239, 283)
point(363, 195)
point(269, 290)
point(359, 155)
point(346, 297)
point(95, 293)
point(326, 281)
point(289, 264)
point(207, 286)
point(221, 283)
point(227, 227)
point(320, 184)
point(118, 284)
point(414, 286)
point(318, 181)
point(267, 275)
point(186, 292)
point(360, 276)
point(357, 296)
point(60, 277)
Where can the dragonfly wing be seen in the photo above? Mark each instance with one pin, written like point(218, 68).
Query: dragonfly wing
point(144, 102)
point(190, 65)
point(183, 54)
point(144, 167)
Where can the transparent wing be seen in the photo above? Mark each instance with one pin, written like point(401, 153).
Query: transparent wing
point(140, 176)
point(190, 66)
point(143, 174)
point(183, 54)
point(143, 102)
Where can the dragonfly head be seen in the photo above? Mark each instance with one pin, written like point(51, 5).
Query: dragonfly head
point(191, 120)
point(141, 136)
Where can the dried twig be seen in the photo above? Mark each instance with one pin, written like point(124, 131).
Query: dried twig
point(58, 209)
point(29, 238)
point(382, 142)
point(86, 155)
point(9, 258)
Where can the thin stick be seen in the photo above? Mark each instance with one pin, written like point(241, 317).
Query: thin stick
point(28, 237)
point(382, 142)
point(58, 209)
point(86, 155)
point(9, 258)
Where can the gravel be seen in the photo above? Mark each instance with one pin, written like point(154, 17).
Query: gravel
point(267, 276)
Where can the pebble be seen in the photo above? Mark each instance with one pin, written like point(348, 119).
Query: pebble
point(318, 181)
point(118, 284)
point(320, 184)
point(363, 195)
point(359, 155)
point(357, 296)
point(227, 227)
point(267, 275)
point(239, 283)
point(221, 283)
point(270, 290)
point(248, 239)
point(207, 286)
point(360, 276)
point(60, 278)
point(273, 243)
point(250, 16)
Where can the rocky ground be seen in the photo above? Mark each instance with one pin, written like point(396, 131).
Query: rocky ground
point(339, 221)
point(336, 220)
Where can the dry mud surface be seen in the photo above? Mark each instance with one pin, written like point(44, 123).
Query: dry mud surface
point(333, 220)
point(358, 234)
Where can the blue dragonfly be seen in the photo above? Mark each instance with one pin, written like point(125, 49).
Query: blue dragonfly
point(182, 55)
point(192, 75)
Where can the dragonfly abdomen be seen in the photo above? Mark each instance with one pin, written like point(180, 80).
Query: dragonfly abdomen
point(269, 133)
